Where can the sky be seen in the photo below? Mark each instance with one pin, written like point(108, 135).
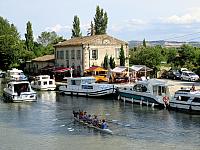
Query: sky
point(177, 20)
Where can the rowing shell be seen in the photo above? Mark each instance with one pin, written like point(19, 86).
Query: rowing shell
point(91, 126)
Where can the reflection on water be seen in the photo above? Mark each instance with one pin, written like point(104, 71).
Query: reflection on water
point(48, 124)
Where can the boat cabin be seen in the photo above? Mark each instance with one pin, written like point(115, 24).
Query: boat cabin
point(81, 80)
point(18, 87)
point(155, 87)
point(187, 94)
point(43, 80)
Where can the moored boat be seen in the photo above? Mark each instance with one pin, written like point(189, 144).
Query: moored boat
point(149, 92)
point(19, 91)
point(86, 86)
point(94, 127)
point(15, 74)
point(43, 83)
point(187, 100)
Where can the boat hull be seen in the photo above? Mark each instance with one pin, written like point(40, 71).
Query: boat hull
point(28, 97)
point(141, 98)
point(185, 107)
point(89, 93)
point(44, 88)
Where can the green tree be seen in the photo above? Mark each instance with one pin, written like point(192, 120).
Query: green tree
point(76, 28)
point(100, 21)
point(112, 62)
point(9, 44)
point(47, 38)
point(91, 30)
point(144, 43)
point(122, 56)
point(29, 36)
point(186, 55)
point(105, 62)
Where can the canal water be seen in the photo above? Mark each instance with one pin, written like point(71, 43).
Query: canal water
point(48, 125)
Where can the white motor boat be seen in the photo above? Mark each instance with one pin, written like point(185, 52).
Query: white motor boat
point(19, 91)
point(44, 83)
point(86, 86)
point(15, 74)
point(187, 100)
point(148, 92)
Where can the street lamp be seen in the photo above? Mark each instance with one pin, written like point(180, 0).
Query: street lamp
point(128, 69)
point(89, 54)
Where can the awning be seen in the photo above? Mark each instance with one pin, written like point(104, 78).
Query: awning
point(95, 68)
point(140, 68)
point(119, 69)
point(61, 69)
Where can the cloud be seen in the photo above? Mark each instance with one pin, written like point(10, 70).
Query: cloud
point(61, 28)
point(58, 28)
point(131, 24)
point(192, 16)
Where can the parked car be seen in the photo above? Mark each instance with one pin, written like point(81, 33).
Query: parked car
point(189, 76)
point(173, 74)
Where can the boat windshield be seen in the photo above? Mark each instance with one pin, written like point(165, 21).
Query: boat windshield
point(23, 87)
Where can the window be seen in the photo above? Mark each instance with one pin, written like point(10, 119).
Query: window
point(196, 100)
point(45, 82)
point(60, 55)
point(66, 54)
point(139, 88)
point(67, 63)
point(72, 54)
point(50, 82)
point(94, 54)
point(78, 54)
point(182, 98)
point(87, 87)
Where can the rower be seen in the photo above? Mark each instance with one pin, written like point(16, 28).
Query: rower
point(85, 117)
point(75, 114)
point(80, 114)
point(95, 121)
point(104, 124)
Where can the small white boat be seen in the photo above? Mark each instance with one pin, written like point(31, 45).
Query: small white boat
point(148, 92)
point(94, 127)
point(19, 91)
point(186, 100)
point(43, 83)
point(86, 86)
point(15, 74)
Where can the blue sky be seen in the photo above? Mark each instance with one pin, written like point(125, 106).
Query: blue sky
point(128, 19)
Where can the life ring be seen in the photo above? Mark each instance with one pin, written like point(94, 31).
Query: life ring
point(166, 99)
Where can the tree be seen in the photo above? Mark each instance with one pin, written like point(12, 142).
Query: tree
point(100, 21)
point(29, 36)
point(76, 28)
point(105, 62)
point(186, 55)
point(47, 38)
point(112, 62)
point(91, 30)
point(9, 44)
point(144, 43)
point(122, 56)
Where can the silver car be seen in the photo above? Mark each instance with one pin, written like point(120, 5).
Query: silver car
point(189, 76)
